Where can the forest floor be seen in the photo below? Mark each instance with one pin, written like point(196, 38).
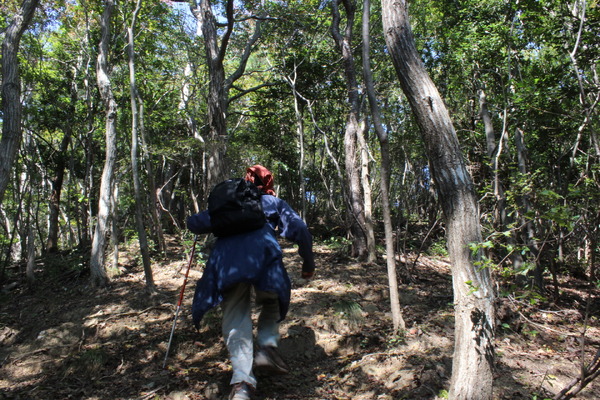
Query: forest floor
point(64, 340)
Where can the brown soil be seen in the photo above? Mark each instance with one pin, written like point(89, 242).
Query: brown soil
point(64, 340)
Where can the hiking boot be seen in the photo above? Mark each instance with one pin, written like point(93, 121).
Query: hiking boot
point(268, 361)
point(240, 391)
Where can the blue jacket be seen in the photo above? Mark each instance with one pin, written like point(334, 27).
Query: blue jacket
point(253, 257)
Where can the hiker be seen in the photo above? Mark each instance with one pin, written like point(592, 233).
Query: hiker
point(240, 263)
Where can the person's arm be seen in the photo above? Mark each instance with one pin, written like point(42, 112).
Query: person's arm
point(199, 223)
point(293, 228)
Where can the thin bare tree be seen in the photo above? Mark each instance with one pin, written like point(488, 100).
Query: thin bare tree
point(397, 319)
point(135, 128)
point(343, 41)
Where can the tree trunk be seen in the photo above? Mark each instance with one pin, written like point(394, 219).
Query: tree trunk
point(397, 319)
point(365, 180)
point(54, 203)
point(355, 206)
point(217, 97)
point(11, 92)
point(30, 269)
point(494, 152)
point(473, 360)
point(300, 131)
point(114, 226)
point(159, 236)
point(219, 86)
point(528, 222)
point(85, 233)
point(135, 125)
point(99, 278)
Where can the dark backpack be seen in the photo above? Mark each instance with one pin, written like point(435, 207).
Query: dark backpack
point(234, 207)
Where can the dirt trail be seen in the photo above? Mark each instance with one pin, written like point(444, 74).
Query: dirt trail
point(66, 341)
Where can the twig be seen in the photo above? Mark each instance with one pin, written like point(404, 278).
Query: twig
point(542, 326)
point(423, 243)
point(43, 350)
point(581, 381)
point(565, 311)
point(151, 393)
point(129, 313)
point(589, 372)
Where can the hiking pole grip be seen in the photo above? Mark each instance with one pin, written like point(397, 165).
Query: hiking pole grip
point(187, 272)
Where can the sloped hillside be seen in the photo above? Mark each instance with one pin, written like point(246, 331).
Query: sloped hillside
point(67, 341)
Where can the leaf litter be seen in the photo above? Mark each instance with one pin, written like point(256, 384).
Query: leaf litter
point(65, 340)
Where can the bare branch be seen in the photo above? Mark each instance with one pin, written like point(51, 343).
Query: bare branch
point(245, 56)
point(227, 35)
point(251, 90)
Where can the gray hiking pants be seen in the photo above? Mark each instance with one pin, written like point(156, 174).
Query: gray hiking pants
point(237, 328)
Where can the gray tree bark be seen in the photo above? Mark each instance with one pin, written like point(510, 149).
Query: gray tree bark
point(219, 85)
point(528, 222)
point(397, 319)
point(217, 95)
point(135, 127)
point(57, 183)
point(365, 180)
point(355, 205)
point(473, 360)
point(98, 277)
point(299, 111)
point(11, 91)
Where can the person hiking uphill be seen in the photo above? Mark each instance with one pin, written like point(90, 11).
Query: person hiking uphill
point(240, 263)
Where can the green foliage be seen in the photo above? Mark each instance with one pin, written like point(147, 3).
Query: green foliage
point(438, 248)
point(396, 340)
point(337, 243)
point(532, 297)
point(348, 310)
point(518, 53)
point(443, 394)
point(89, 362)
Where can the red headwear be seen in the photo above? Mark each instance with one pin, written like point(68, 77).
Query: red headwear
point(261, 177)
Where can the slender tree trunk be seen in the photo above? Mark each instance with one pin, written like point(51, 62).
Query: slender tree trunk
point(473, 361)
point(57, 184)
point(154, 207)
point(365, 179)
point(494, 152)
point(528, 222)
point(114, 226)
point(52, 242)
point(30, 270)
point(588, 101)
point(298, 109)
point(390, 254)
point(135, 126)
point(86, 206)
point(355, 206)
point(300, 130)
point(86, 232)
point(11, 92)
point(99, 277)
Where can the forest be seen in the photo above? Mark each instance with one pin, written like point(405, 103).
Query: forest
point(444, 155)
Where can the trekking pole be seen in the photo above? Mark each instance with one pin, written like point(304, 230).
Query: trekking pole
point(180, 300)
